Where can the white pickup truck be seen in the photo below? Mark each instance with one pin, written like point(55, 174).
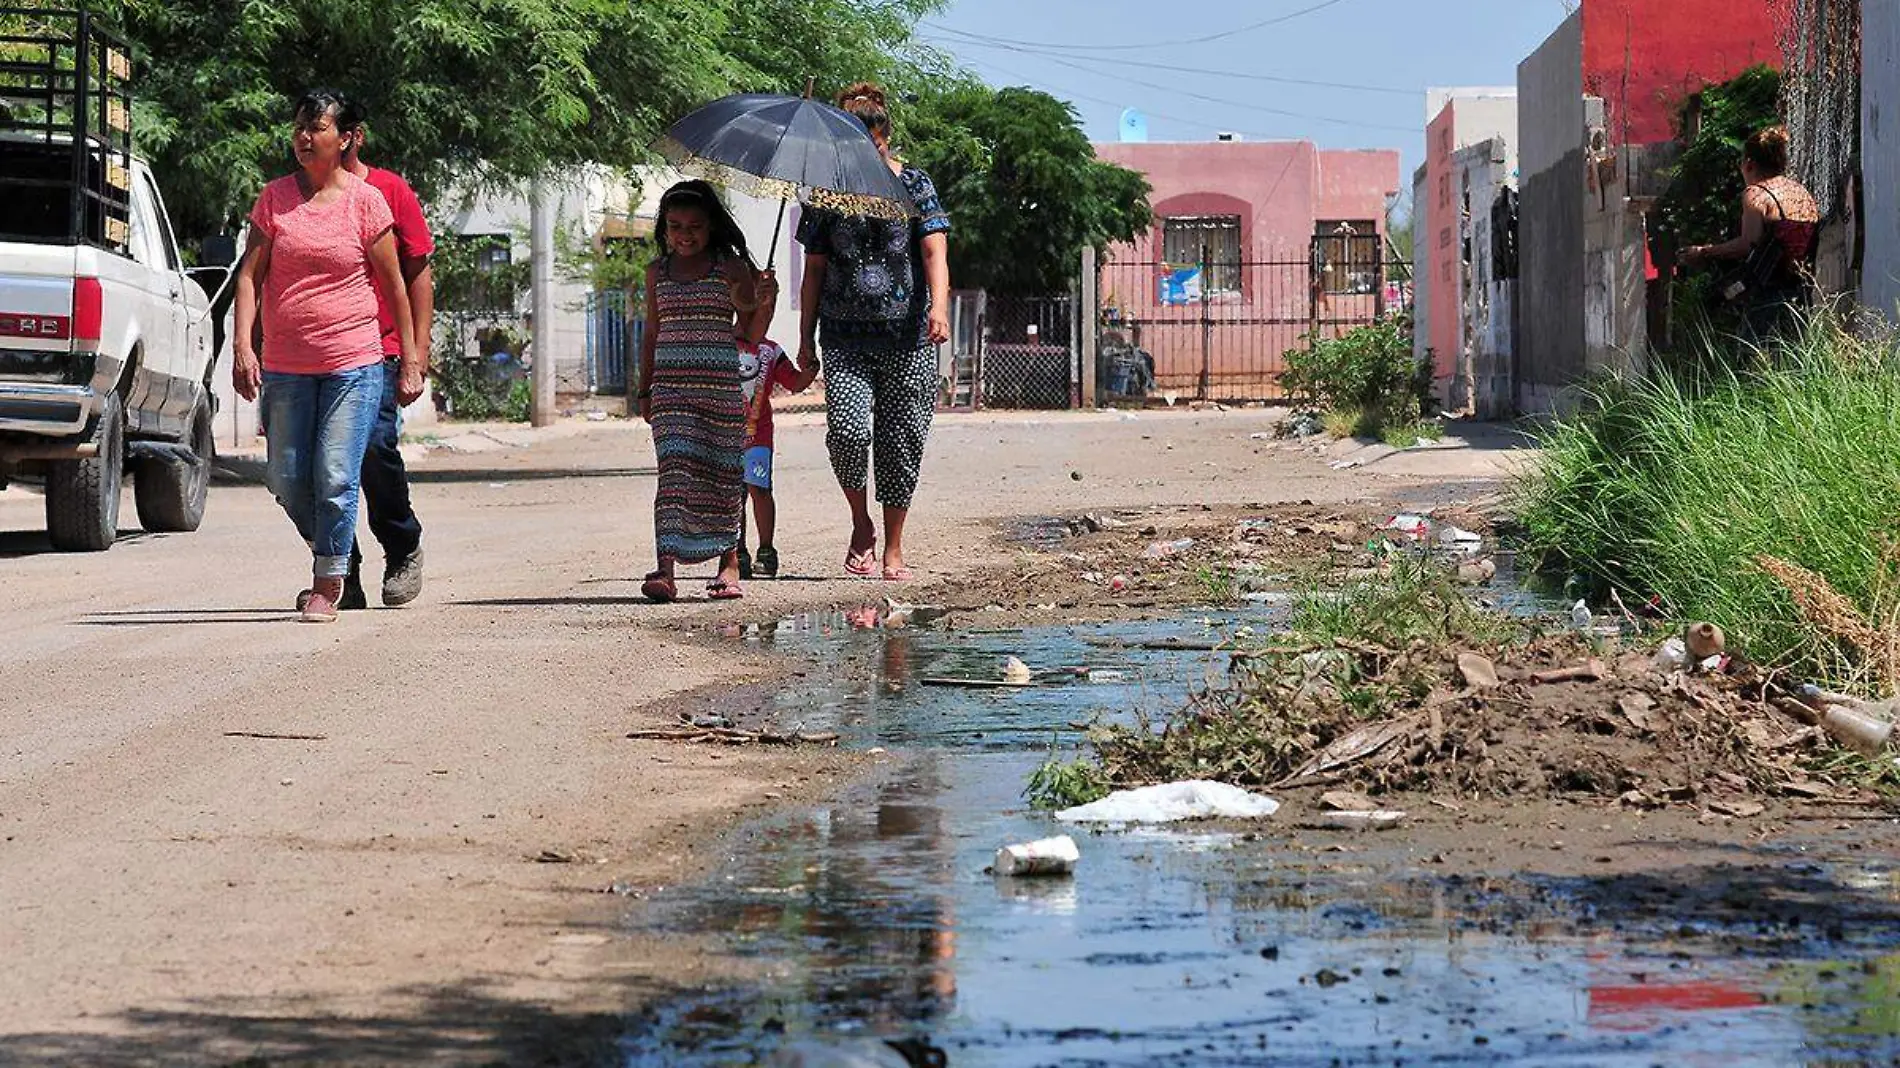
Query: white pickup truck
point(107, 340)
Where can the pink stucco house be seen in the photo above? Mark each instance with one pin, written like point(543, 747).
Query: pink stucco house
point(1292, 238)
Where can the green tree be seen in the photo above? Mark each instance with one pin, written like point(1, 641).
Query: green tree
point(492, 90)
point(1703, 204)
point(1022, 182)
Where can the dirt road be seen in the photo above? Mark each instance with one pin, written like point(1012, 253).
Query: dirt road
point(176, 889)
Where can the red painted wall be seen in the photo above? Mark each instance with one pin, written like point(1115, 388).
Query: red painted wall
point(1645, 57)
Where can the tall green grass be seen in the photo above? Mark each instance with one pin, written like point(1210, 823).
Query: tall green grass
point(1672, 485)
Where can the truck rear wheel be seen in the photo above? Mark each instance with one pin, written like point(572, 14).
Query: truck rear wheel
point(170, 495)
point(82, 496)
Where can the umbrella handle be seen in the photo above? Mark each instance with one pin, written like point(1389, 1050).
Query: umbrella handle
point(771, 255)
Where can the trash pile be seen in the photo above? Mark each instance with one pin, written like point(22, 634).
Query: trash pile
point(1559, 715)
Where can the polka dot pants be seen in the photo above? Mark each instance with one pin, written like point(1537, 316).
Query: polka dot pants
point(902, 388)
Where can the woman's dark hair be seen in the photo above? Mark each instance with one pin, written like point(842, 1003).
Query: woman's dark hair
point(725, 239)
point(866, 102)
point(1768, 151)
point(349, 115)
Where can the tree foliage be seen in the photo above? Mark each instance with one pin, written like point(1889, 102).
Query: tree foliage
point(495, 89)
point(1704, 202)
point(1022, 183)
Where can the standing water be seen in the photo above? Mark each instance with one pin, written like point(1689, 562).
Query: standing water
point(871, 916)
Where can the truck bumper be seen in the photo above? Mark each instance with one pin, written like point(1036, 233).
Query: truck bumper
point(45, 409)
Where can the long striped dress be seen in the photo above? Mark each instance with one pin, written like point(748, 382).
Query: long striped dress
point(698, 416)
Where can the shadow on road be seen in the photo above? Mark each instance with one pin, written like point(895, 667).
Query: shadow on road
point(250, 472)
point(185, 617)
point(526, 474)
point(464, 1023)
point(553, 602)
point(15, 544)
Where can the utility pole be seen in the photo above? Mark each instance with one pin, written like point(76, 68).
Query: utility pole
point(541, 300)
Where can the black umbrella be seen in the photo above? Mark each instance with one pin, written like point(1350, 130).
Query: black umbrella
point(788, 148)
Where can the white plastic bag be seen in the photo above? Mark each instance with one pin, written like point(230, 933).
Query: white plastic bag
point(1172, 802)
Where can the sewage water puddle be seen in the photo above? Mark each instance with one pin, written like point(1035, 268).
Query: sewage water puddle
point(870, 917)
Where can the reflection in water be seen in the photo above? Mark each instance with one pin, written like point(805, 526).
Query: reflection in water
point(873, 917)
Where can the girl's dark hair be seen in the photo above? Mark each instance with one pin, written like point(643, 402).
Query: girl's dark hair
point(348, 114)
point(725, 240)
point(1768, 151)
point(866, 101)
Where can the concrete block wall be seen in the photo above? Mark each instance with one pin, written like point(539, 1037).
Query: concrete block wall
point(1550, 222)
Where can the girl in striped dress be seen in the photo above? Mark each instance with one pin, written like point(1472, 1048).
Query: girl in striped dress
point(703, 296)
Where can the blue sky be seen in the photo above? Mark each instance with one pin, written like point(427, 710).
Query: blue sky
point(1104, 55)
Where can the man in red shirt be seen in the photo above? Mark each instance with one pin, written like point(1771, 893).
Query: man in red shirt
point(385, 481)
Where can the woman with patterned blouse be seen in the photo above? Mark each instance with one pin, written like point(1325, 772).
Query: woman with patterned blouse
point(880, 290)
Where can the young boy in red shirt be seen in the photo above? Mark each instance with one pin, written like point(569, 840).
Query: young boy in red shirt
point(762, 367)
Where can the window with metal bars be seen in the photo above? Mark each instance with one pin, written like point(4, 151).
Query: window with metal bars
point(1187, 240)
point(1347, 255)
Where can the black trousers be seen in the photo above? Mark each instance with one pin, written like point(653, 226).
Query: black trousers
point(392, 519)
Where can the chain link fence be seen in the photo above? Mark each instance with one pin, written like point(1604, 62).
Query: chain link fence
point(1011, 352)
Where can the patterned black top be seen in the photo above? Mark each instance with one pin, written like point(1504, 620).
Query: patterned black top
point(875, 295)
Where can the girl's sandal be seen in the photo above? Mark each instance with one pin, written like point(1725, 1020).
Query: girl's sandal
point(659, 588)
point(897, 574)
point(721, 590)
point(860, 562)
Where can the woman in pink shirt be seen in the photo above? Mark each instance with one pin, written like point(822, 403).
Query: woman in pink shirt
point(317, 239)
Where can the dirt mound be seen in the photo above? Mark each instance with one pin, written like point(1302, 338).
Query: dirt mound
point(1614, 727)
point(1558, 716)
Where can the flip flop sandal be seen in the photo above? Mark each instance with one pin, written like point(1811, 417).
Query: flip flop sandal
point(718, 590)
point(659, 589)
point(897, 574)
point(860, 563)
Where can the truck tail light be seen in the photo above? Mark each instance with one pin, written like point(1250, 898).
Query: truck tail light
point(88, 314)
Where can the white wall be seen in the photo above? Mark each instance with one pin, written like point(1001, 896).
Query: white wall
point(584, 198)
point(1437, 97)
point(1880, 154)
point(1482, 378)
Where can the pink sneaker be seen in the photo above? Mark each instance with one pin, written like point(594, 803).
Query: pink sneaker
point(320, 605)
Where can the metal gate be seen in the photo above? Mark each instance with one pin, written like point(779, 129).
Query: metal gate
point(1221, 330)
point(612, 337)
point(1011, 352)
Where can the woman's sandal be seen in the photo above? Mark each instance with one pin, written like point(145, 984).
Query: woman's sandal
point(897, 574)
point(659, 588)
point(721, 590)
point(860, 562)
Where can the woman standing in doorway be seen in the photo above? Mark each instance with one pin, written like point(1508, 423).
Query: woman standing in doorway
point(880, 291)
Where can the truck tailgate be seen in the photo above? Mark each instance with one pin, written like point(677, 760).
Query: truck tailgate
point(36, 307)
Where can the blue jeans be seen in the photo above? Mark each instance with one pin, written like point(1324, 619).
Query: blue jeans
point(318, 427)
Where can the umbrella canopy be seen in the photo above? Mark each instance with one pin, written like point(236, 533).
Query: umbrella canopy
point(788, 148)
